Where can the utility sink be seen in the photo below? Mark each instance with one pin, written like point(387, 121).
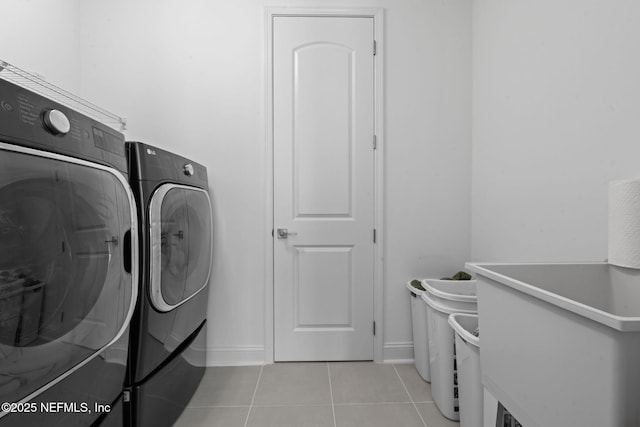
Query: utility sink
point(560, 343)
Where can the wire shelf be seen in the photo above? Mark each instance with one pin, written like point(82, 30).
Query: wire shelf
point(37, 84)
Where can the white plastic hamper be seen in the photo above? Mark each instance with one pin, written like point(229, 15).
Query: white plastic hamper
point(470, 394)
point(442, 361)
point(453, 294)
point(419, 326)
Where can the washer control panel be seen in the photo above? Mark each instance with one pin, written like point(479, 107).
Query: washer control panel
point(32, 120)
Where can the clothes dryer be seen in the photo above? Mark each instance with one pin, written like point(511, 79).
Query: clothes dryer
point(168, 338)
point(68, 264)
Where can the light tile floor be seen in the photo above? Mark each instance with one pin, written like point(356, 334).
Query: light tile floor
point(334, 394)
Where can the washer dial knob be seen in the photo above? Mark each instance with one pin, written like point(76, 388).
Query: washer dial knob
point(188, 169)
point(56, 122)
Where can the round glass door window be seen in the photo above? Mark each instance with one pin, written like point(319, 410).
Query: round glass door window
point(181, 244)
point(66, 287)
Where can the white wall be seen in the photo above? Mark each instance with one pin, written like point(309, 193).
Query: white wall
point(556, 90)
point(428, 135)
point(190, 77)
point(42, 36)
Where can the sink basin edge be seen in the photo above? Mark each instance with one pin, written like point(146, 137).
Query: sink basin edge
point(620, 323)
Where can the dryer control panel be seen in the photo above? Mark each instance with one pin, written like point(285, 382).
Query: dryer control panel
point(151, 163)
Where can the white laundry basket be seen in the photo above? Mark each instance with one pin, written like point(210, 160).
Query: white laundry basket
point(454, 294)
point(420, 339)
point(442, 361)
point(470, 392)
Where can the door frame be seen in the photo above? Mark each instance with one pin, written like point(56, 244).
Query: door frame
point(379, 249)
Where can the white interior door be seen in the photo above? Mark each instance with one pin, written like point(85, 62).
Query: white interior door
point(323, 106)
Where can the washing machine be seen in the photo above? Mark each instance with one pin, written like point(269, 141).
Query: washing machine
point(167, 355)
point(68, 264)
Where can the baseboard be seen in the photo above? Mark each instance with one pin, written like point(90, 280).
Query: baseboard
point(247, 355)
point(398, 352)
point(241, 355)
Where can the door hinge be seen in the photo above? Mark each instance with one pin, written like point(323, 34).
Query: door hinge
point(374, 327)
point(374, 235)
point(375, 142)
point(126, 396)
point(375, 48)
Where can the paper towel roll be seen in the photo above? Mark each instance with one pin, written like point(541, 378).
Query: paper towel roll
point(624, 223)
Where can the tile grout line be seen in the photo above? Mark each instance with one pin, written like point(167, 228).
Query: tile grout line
point(294, 405)
point(255, 391)
point(372, 403)
point(409, 394)
point(216, 406)
point(333, 407)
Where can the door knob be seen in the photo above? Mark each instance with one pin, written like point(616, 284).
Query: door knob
point(283, 233)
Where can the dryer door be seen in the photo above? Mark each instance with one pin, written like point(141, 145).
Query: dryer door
point(181, 244)
point(68, 266)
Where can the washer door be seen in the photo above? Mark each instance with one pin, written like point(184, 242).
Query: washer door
point(68, 266)
point(181, 244)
